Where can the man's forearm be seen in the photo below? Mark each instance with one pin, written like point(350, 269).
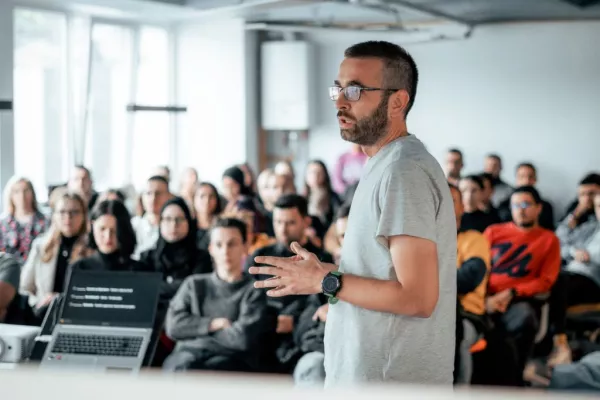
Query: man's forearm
point(385, 296)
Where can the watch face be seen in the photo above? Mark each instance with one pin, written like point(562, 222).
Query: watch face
point(330, 284)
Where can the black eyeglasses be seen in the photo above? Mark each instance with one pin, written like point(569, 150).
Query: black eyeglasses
point(352, 92)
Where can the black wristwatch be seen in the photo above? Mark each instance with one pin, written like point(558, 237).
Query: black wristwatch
point(513, 292)
point(331, 285)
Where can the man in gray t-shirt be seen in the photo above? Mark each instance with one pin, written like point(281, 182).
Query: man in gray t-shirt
point(392, 314)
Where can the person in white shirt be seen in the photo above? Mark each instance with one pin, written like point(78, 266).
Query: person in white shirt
point(154, 197)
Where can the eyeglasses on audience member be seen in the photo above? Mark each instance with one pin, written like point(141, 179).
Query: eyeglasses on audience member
point(176, 220)
point(524, 205)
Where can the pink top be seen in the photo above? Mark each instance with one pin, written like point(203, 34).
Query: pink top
point(348, 170)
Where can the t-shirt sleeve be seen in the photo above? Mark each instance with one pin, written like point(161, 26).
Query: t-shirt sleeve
point(408, 202)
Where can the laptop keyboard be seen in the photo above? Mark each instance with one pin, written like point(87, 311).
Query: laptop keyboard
point(101, 345)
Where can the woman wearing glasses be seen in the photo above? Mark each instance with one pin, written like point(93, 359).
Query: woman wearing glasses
point(43, 275)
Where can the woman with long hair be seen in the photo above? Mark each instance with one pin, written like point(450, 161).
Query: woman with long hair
point(22, 221)
point(176, 254)
point(323, 202)
point(208, 208)
point(44, 272)
point(113, 239)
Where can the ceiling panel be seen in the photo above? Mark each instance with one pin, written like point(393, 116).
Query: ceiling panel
point(481, 11)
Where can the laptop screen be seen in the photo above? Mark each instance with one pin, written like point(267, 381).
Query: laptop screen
point(109, 298)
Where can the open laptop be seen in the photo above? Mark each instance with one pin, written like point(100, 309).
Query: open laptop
point(105, 321)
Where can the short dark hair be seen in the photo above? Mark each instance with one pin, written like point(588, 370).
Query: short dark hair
point(531, 190)
point(456, 151)
point(117, 193)
point(476, 179)
point(399, 68)
point(343, 211)
point(231, 223)
point(526, 165)
point(158, 178)
point(288, 201)
point(486, 176)
point(125, 233)
point(495, 157)
point(85, 169)
point(591, 179)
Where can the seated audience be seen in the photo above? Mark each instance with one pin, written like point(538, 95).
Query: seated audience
point(454, 166)
point(246, 212)
point(111, 194)
point(348, 168)
point(44, 273)
point(263, 189)
point(474, 218)
point(164, 171)
point(249, 178)
point(113, 239)
point(526, 175)
point(473, 262)
point(80, 182)
point(286, 169)
point(579, 282)
point(153, 199)
point(335, 234)
point(525, 263)
point(10, 270)
point(274, 187)
point(323, 202)
point(234, 187)
point(176, 254)
point(22, 221)
point(581, 210)
point(502, 190)
point(290, 221)
point(188, 186)
point(208, 208)
point(486, 196)
point(218, 319)
point(309, 338)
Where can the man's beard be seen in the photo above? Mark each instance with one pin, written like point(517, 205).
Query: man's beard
point(526, 224)
point(368, 131)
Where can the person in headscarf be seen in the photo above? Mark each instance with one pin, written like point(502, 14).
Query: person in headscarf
point(176, 254)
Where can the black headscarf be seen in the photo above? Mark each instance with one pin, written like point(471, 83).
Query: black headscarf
point(181, 254)
point(237, 175)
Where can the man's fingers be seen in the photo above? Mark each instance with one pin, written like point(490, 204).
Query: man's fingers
point(279, 262)
point(266, 271)
point(300, 251)
point(269, 283)
point(279, 292)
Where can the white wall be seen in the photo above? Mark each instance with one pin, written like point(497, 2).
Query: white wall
point(526, 91)
point(212, 62)
point(6, 93)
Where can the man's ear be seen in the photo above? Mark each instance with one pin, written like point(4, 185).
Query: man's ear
point(398, 103)
point(308, 221)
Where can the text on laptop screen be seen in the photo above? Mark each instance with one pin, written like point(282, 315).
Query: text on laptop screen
point(119, 299)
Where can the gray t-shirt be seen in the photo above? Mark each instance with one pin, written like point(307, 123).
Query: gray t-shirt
point(403, 191)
